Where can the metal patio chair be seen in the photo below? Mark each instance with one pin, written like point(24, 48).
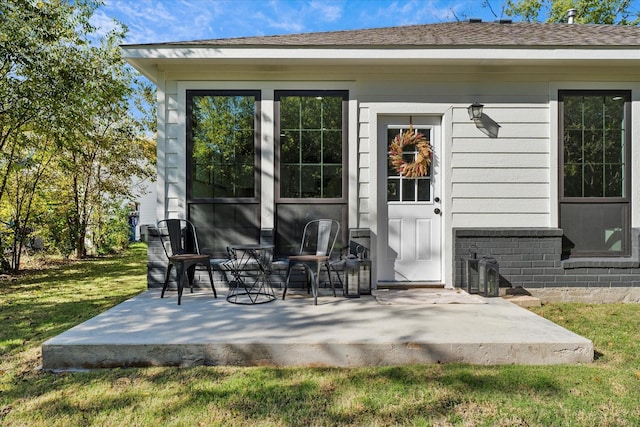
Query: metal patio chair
point(318, 239)
point(180, 243)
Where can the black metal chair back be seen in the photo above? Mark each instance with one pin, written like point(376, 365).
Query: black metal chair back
point(319, 237)
point(179, 238)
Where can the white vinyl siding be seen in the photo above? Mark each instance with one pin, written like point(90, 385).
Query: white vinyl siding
point(172, 134)
point(494, 182)
point(502, 181)
point(364, 170)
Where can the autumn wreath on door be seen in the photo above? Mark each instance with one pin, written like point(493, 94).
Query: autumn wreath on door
point(422, 159)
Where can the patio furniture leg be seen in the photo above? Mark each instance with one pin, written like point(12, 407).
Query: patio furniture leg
point(166, 279)
point(313, 269)
point(330, 280)
point(314, 283)
point(339, 279)
point(180, 274)
point(308, 275)
point(213, 288)
point(309, 279)
point(286, 282)
point(191, 272)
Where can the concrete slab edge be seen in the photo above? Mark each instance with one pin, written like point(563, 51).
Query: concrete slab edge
point(327, 354)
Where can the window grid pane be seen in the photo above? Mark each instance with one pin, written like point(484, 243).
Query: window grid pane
point(311, 138)
point(594, 129)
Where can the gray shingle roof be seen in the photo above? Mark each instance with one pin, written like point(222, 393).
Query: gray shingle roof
point(454, 34)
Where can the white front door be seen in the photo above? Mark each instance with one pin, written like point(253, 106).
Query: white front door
point(410, 243)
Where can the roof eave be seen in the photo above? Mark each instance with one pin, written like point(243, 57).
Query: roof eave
point(147, 58)
point(442, 53)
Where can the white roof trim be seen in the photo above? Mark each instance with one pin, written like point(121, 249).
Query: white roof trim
point(380, 54)
point(149, 59)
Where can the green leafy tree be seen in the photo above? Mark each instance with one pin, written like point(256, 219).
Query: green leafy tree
point(69, 141)
point(38, 45)
point(104, 148)
point(112, 234)
point(37, 41)
point(24, 195)
point(618, 12)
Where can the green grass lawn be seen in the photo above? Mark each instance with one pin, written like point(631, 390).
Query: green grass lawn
point(38, 305)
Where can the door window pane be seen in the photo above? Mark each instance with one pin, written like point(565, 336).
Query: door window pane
point(424, 190)
point(393, 190)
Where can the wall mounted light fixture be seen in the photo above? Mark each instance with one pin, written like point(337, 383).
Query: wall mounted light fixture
point(483, 122)
point(475, 111)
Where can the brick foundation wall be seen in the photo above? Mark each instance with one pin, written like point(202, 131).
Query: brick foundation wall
point(531, 258)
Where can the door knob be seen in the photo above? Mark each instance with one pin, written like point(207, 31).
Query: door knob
point(437, 200)
point(436, 211)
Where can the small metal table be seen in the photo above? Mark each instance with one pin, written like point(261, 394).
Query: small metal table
point(250, 267)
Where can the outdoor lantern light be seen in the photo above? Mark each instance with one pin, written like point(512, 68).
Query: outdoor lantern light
point(481, 275)
point(475, 111)
point(489, 275)
point(364, 269)
point(352, 280)
point(471, 279)
point(364, 276)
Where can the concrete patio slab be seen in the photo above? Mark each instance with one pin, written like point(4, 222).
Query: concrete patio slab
point(149, 331)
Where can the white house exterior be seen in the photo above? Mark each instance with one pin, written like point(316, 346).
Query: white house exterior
point(550, 195)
